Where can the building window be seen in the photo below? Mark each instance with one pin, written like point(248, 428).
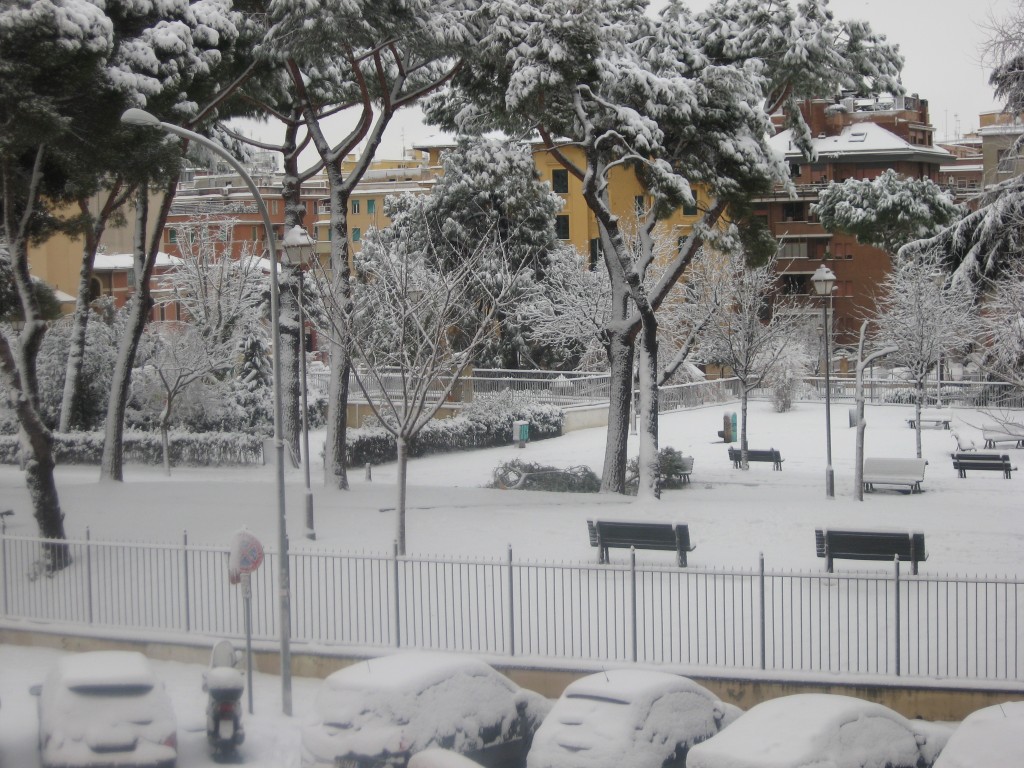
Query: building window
point(796, 285)
point(793, 249)
point(638, 205)
point(255, 234)
point(172, 235)
point(371, 206)
point(356, 235)
point(690, 209)
point(794, 212)
point(560, 181)
point(595, 253)
point(562, 227)
point(355, 206)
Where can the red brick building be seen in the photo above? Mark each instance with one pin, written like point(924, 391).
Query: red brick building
point(853, 139)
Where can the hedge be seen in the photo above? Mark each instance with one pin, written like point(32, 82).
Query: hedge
point(478, 429)
point(185, 448)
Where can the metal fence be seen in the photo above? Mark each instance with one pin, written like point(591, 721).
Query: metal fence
point(883, 622)
point(583, 388)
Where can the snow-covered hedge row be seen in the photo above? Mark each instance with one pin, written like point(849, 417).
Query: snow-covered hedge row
point(479, 426)
point(185, 448)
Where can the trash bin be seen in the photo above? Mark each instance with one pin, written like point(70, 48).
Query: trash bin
point(728, 432)
point(853, 417)
point(520, 432)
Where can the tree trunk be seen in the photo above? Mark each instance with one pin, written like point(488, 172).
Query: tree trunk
point(76, 345)
point(18, 374)
point(112, 461)
point(744, 399)
point(650, 485)
point(288, 315)
point(402, 465)
point(620, 358)
point(917, 414)
point(335, 472)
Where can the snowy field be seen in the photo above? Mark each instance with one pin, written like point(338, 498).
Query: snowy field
point(972, 525)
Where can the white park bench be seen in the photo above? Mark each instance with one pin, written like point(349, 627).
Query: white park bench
point(933, 417)
point(1003, 433)
point(894, 472)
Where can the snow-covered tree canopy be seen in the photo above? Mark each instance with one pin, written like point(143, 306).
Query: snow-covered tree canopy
point(1004, 52)
point(921, 314)
point(803, 51)
point(984, 242)
point(888, 211)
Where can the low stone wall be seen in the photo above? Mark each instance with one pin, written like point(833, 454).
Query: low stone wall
point(585, 417)
point(937, 700)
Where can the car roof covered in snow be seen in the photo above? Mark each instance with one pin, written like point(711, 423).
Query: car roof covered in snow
point(628, 685)
point(410, 670)
point(106, 669)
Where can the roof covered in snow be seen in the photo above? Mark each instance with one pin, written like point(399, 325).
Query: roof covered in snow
point(861, 142)
point(110, 262)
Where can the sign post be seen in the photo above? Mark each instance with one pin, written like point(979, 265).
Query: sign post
point(246, 556)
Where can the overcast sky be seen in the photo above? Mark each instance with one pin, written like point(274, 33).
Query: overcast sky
point(940, 39)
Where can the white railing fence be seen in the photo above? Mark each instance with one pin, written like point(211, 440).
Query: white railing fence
point(884, 622)
point(583, 388)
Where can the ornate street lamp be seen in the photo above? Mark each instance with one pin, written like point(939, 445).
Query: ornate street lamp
point(824, 280)
point(140, 117)
point(297, 248)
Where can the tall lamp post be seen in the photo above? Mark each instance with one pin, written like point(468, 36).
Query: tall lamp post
point(143, 118)
point(298, 249)
point(824, 280)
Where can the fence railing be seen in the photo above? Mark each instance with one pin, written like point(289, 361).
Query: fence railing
point(582, 388)
point(882, 623)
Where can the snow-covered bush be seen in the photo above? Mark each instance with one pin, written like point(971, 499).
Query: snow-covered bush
point(485, 423)
point(787, 378)
point(670, 470)
point(101, 341)
point(529, 476)
point(185, 449)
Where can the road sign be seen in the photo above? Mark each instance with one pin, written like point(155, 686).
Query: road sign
point(246, 555)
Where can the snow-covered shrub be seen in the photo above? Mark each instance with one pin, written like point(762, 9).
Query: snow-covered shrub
point(485, 423)
point(787, 377)
point(185, 449)
point(670, 470)
point(101, 342)
point(528, 476)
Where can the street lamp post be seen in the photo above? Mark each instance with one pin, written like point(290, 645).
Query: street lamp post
point(298, 249)
point(142, 118)
point(824, 280)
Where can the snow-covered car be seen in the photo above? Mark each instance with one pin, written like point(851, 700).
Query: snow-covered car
point(441, 758)
point(628, 717)
point(381, 711)
point(105, 708)
point(824, 731)
point(990, 737)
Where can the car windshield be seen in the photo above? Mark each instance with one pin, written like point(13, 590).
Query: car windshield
point(111, 690)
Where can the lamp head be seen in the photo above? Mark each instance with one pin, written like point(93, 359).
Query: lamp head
point(824, 279)
point(136, 116)
point(296, 246)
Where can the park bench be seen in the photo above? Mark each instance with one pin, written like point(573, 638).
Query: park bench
point(934, 418)
point(994, 462)
point(870, 545)
point(894, 472)
point(669, 537)
point(685, 470)
point(771, 454)
point(1003, 433)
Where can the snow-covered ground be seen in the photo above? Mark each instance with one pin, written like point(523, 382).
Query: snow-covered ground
point(972, 525)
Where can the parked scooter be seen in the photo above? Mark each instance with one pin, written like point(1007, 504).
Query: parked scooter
point(224, 684)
